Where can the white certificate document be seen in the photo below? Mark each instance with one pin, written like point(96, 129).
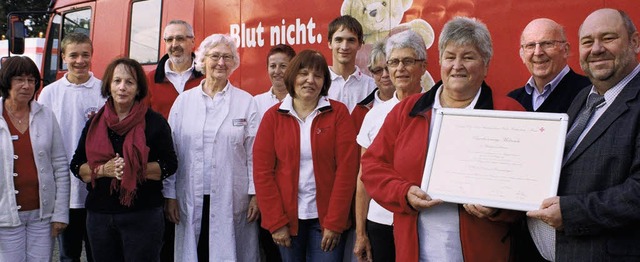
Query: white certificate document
point(501, 159)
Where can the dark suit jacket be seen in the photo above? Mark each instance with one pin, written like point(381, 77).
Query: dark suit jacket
point(561, 97)
point(599, 185)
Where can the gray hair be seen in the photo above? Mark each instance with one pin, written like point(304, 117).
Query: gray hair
point(213, 41)
point(377, 54)
point(628, 24)
point(467, 31)
point(184, 23)
point(407, 39)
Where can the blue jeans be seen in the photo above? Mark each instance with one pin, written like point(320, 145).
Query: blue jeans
point(306, 245)
point(133, 236)
point(70, 240)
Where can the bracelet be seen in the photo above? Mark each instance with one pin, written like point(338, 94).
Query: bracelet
point(96, 170)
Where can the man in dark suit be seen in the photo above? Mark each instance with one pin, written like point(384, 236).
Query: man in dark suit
point(597, 211)
point(553, 85)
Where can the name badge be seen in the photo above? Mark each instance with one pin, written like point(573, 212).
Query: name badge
point(14, 137)
point(240, 122)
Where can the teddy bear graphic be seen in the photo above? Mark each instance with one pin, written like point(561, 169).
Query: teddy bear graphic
point(379, 19)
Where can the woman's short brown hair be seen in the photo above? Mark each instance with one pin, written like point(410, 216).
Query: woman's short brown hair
point(134, 68)
point(17, 66)
point(310, 59)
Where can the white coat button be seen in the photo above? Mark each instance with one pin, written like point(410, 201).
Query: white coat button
point(42, 169)
point(15, 174)
point(41, 153)
point(16, 192)
point(44, 188)
point(44, 202)
point(19, 207)
point(15, 157)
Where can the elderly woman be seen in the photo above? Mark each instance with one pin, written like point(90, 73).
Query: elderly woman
point(277, 61)
point(34, 183)
point(406, 61)
point(214, 125)
point(124, 152)
point(305, 181)
point(426, 229)
point(384, 87)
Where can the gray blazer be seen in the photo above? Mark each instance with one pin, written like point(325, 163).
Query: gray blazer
point(600, 185)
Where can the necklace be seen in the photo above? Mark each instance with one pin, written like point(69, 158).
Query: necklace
point(14, 118)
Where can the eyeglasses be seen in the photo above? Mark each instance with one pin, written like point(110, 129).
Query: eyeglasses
point(178, 38)
point(544, 45)
point(378, 70)
point(23, 80)
point(216, 57)
point(393, 63)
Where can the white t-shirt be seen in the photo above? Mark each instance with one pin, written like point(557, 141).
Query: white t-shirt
point(307, 208)
point(178, 80)
point(72, 104)
point(441, 222)
point(352, 90)
point(265, 101)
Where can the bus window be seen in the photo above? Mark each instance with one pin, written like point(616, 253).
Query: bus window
point(144, 41)
point(50, 66)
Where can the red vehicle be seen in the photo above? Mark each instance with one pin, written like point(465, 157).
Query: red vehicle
point(133, 28)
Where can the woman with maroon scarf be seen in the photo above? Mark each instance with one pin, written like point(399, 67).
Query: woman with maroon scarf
point(123, 155)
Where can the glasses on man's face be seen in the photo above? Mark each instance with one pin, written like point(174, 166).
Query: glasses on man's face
point(177, 38)
point(216, 57)
point(544, 45)
point(24, 80)
point(393, 63)
point(378, 70)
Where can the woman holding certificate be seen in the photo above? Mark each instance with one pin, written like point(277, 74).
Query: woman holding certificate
point(428, 229)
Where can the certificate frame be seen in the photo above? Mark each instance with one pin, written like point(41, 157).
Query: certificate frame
point(501, 159)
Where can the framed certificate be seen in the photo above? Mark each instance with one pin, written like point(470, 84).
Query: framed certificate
point(501, 159)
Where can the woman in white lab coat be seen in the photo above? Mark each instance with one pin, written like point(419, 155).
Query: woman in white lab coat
point(214, 126)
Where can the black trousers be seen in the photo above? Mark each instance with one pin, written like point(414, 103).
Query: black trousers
point(383, 247)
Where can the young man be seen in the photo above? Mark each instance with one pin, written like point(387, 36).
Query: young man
point(73, 99)
point(348, 84)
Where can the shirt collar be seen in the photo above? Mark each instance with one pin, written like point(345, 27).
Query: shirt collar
point(614, 91)
point(530, 86)
point(357, 74)
point(167, 68)
point(223, 92)
point(89, 84)
point(287, 103)
point(436, 101)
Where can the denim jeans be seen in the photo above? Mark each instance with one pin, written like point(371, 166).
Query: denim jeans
point(306, 245)
point(70, 240)
point(133, 236)
point(30, 241)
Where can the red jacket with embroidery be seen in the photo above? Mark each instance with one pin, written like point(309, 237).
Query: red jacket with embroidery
point(395, 162)
point(276, 167)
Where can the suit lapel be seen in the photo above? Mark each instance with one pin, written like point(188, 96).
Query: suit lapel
point(619, 107)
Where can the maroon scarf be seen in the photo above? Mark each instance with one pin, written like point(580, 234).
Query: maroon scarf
point(135, 151)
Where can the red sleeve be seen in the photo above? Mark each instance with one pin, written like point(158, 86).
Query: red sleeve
point(388, 187)
point(264, 164)
point(346, 154)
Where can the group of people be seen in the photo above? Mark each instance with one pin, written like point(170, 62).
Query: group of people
point(181, 165)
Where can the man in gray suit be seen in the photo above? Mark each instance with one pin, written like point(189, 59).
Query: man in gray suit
point(596, 214)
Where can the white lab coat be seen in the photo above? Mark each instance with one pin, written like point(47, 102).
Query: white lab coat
point(231, 238)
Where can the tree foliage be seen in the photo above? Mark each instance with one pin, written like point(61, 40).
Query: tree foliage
point(34, 23)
